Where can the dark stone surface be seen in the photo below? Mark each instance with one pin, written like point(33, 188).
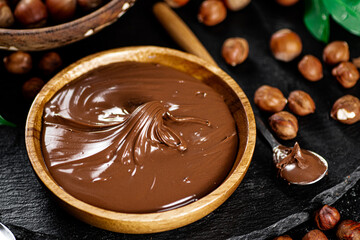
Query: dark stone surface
point(263, 206)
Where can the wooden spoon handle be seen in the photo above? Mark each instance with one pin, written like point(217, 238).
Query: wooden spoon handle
point(180, 32)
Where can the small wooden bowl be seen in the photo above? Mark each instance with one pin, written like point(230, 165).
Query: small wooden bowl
point(147, 222)
point(38, 39)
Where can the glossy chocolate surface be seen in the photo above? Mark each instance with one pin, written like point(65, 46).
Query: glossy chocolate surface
point(299, 165)
point(138, 137)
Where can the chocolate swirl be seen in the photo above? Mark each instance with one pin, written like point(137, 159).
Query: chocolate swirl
point(136, 137)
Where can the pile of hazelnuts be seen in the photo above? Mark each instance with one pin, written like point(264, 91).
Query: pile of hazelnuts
point(285, 46)
point(21, 63)
point(327, 218)
point(37, 13)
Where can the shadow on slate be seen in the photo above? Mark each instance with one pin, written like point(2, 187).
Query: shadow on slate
point(263, 204)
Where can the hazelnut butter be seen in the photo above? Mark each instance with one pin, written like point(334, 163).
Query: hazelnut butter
point(298, 165)
point(138, 138)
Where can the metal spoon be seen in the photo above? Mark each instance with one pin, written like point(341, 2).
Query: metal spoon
point(279, 154)
point(5, 233)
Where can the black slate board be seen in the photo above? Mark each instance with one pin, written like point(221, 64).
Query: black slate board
point(261, 200)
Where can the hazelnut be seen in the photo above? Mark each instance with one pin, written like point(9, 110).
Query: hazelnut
point(284, 124)
point(212, 12)
point(315, 235)
point(18, 62)
point(31, 13)
point(346, 74)
point(235, 5)
point(235, 50)
point(335, 52)
point(6, 15)
point(49, 63)
point(311, 68)
point(356, 62)
point(269, 99)
point(286, 237)
point(348, 230)
point(346, 109)
point(176, 3)
point(32, 87)
point(287, 3)
point(301, 103)
point(327, 217)
point(285, 45)
point(61, 10)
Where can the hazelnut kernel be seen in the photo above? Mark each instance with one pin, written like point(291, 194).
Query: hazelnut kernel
point(176, 3)
point(346, 109)
point(32, 87)
point(235, 5)
point(346, 74)
point(335, 52)
point(327, 217)
point(301, 103)
point(50, 62)
point(286, 237)
point(348, 230)
point(235, 50)
point(31, 13)
point(287, 3)
point(212, 12)
point(284, 124)
point(6, 15)
point(285, 45)
point(311, 68)
point(18, 62)
point(315, 235)
point(269, 99)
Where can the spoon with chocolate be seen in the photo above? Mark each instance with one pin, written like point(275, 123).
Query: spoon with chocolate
point(295, 165)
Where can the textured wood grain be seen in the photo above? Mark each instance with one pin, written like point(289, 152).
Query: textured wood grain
point(180, 32)
point(153, 222)
point(59, 35)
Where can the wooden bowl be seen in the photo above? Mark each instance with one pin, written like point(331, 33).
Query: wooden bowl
point(147, 222)
point(38, 39)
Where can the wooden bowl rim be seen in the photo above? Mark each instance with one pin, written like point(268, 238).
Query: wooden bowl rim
point(77, 21)
point(178, 217)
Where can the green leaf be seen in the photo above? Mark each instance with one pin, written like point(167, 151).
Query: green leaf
point(316, 19)
point(346, 13)
point(7, 123)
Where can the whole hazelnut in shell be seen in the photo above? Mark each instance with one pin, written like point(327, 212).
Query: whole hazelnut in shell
point(269, 99)
point(87, 5)
point(327, 217)
point(61, 10)
point(212, 12)
point(301, 103)
point(285, 237)
point(235, 50)
point(335, 52)
point(346, 109)
point(315, 235)
point(6, 15)
point(287, 3)
point(235, 5)
point(49, 63)
point(18, 62)
point(31, 13)
point(346, 74)
point(311, 68)
point(32, 87)
point(285, 45)
point(284, 124)
point(348, 230)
